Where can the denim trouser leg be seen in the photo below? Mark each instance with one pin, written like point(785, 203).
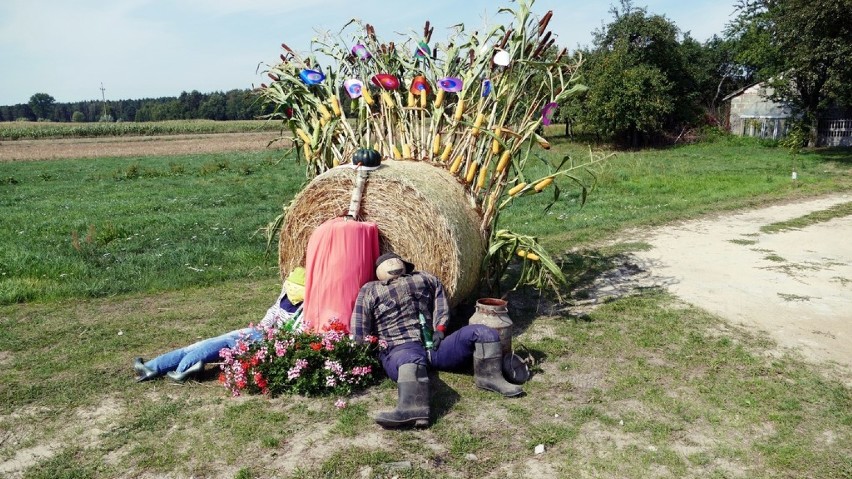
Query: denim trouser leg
point(205, 351)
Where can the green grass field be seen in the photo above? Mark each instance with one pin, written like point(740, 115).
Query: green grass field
point(89, 228)
point(107, 259)
point(97, 227)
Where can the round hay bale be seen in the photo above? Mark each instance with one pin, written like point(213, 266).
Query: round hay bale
point(422, 212)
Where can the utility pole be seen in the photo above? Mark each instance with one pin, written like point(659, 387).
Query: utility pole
point(103, 97)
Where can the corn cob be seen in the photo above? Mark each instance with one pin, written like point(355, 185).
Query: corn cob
point(411, 102)
point(335, 162)
point(448, 149)
point(517, 188)
point(483, 175)
point(439, 98)
point(436, 144)
point(324, 113)
point(543, 184)
point(459, 110)
point(504, 161)
point(406, 151)
point(495, 144)
point(304, 136)
point(306, 148)
point(423, 98)
point(528, 255)
point(386, 98)
point(335, 105)
point(396, 154)
point(542, 142)
point(474, 132)
point(456, 166)
point(471, 172)
point(368, 98)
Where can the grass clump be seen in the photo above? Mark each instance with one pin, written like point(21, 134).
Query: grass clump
point(837, 211)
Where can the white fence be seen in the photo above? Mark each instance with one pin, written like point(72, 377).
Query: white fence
point(834, 133)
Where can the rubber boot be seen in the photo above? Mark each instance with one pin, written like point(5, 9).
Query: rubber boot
point(143, 373)
point(488, 370)
point(190, 371)
point(412, 409)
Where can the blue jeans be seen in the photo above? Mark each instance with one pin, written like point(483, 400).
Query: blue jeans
point(205, 351)
point(454, 352)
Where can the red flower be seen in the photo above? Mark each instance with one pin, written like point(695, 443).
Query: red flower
point(337, 326)
point(316, 346)
point(260, 380)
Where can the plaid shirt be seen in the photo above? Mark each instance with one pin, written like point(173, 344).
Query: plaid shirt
point(390, 309)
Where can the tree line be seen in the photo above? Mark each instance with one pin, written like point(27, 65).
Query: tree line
point(235, 104)
point(649, 82)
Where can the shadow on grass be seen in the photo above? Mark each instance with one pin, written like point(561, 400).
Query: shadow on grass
point(838, 154)
point(584, 271)
point(443, 397)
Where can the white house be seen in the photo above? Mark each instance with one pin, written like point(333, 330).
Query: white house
point(753, 113)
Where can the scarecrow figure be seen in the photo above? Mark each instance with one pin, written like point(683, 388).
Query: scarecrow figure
point(409, 311)
point(182, 363)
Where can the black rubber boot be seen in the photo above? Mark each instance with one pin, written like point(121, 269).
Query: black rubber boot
point(412, 409)
point(488, 370)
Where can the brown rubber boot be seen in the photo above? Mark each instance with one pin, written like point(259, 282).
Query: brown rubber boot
point(488, 370)
point(413, 406)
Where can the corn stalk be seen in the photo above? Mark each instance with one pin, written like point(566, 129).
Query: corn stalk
point(483, 134)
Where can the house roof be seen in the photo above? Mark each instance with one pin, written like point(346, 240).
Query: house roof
point(739, 92)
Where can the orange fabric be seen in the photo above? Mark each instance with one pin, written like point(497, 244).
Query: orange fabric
point(340, 258)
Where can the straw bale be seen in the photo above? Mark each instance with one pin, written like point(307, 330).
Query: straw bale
point(422, 212)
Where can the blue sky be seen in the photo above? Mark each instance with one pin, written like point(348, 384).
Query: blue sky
point(154, 48)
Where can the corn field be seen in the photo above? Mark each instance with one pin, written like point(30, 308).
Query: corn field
point(23, 130)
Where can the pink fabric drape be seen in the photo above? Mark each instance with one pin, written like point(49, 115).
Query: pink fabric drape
point(340, 258)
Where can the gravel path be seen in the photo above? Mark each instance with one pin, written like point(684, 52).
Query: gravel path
point(795, 285)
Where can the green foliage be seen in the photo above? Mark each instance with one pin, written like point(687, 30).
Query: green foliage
point(639, 77)
point(803, 48)
point(78, 117)
point(42, 105)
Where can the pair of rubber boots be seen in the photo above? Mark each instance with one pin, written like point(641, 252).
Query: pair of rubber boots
point(144, 373)
point(413, 387)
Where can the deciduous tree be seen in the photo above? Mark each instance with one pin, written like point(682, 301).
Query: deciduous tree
point(42, 105)
point(803, 48)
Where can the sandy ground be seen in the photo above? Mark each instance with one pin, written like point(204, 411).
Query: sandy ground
point(795, 285)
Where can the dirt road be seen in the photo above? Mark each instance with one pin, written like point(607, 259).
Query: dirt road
point(21, 150)
point(796, 285)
